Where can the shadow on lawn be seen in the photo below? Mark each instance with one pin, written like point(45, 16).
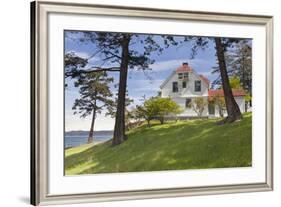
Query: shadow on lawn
point(196, 145)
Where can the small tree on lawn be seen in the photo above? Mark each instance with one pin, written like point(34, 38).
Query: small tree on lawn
point(168, 107)
point(94, 95)
point(158, 108)
point(140, 113)
point(149, 110)
point(198, 105)
point(137, 113)
point(220, 102)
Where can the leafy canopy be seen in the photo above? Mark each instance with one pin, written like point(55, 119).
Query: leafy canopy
point(198, 105)
point(160, 107)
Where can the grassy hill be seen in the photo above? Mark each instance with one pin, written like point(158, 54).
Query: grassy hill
point(192, 144)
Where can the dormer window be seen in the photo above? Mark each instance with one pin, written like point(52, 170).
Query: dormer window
point(180, 75)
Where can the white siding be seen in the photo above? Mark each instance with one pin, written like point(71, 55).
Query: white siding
point(239, 100)
point(189, 91)
point(187, 110)
point(241, 103)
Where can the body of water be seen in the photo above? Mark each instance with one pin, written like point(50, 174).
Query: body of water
point(73, 139)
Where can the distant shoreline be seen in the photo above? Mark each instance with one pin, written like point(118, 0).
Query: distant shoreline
point(88, 131)
point(77, 138)
point(94, 143)
point(85, 133)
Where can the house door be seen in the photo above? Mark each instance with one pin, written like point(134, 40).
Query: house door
point(211, 108)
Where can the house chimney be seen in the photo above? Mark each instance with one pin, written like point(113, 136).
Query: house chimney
point(185, 64)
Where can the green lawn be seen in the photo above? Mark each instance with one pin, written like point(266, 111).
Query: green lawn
point(193, 144)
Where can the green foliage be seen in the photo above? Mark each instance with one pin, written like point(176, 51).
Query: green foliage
point(198, 105)
point(193, 144)
point(248, 98)
point(241, 64)
point(73, 60)
point(111, 110)
point(72, 63)
point(238, 60)
point(108, 46)
point(158, 108)
point(220, 102)
point(94, 93)
point(138, 113)
point(234, 82)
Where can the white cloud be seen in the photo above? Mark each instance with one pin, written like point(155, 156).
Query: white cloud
point(80, 54)
point(166, 65)
point(85, 55)
point(147, 85)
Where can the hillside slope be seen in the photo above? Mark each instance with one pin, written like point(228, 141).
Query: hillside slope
point(194, 144)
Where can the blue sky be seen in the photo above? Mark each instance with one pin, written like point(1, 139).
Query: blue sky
point(138, 84)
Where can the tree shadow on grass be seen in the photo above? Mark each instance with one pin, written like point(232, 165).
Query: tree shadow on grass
point(196, 145)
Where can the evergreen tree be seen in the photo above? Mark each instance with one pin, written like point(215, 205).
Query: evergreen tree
point(221, 47)
point(94, 96)
point(116, 49)
point(239, 64)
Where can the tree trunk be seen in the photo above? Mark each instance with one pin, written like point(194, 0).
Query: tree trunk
point(233, 111)
point(220, 111)
point(119, 128)
point(243, 74)
point(91, 133)
point(162, 120)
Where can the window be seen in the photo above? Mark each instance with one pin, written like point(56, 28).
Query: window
point(185, 75)
point(180, 75)
point(197, 87)
point(211, 108)
point(175, 87)
point(187, 103)
point(184, 84)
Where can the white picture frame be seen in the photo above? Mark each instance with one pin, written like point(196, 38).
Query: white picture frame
point(42, 139)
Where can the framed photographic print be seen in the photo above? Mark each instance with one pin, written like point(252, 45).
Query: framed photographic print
point(135, 103)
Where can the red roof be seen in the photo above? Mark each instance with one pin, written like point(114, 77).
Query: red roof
point(219, 92)
point(184, 68)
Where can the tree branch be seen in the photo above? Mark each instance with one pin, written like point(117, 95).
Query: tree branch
point(75, 72)
point(99, 69)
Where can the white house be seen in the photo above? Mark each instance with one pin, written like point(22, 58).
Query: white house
point(185, 84)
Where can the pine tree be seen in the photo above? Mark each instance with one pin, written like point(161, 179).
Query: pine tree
point(115, 49)
point(232, 108)
point(221, 46)
point(239, 64)
point(95, 94)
